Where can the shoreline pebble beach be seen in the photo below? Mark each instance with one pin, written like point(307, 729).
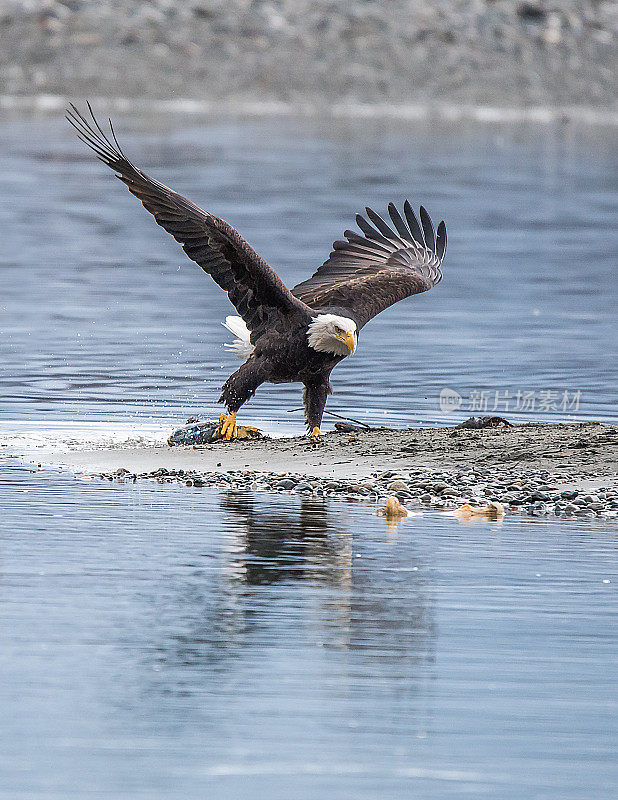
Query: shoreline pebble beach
point(478, 53)
point(535, 469)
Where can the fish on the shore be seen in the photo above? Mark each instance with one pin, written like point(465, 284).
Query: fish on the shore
point(197, 433)
point(288, 335)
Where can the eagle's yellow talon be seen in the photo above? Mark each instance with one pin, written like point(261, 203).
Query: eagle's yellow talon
point(315, 435)
point(227, 426)
point(228, 429)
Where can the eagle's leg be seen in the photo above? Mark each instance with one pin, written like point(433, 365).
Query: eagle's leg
point(314, 400)
point(237, 389)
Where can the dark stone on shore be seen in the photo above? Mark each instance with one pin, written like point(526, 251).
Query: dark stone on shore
point(348, 427)
point(536, 496)
point(287, 483)
point(531, 11)
point(483, 422)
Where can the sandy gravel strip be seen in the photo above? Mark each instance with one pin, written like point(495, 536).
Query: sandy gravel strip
point(536, 469)
point(513, 53)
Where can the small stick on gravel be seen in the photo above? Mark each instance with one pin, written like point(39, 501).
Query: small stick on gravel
point(332, 414)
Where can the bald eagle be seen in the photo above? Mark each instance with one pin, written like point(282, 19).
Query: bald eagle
point(283, 335)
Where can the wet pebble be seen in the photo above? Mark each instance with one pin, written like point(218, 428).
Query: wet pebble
point(287, 483)
point(398, 486)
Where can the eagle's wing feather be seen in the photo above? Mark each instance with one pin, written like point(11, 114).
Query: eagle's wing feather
point(367, 274)
point(259, 295)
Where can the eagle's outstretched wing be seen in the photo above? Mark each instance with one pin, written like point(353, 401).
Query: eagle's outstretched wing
point(259, 295)
point(367, 274)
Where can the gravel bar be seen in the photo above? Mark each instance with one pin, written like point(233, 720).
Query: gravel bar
point(535, 469)
point(321, 53)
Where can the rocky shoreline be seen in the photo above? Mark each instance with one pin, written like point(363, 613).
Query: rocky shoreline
point(534, 469)
point(508, 53)
point(534, 493)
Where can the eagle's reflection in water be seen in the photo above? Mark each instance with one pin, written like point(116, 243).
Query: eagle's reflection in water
point(300, 573)
point(286, 544)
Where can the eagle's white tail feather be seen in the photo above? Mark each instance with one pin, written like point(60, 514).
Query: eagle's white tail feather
point(242, 343)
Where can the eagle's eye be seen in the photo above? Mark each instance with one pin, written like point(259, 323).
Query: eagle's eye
point(338, 329)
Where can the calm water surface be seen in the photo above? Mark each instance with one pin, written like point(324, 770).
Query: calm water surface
point(103, 316)
point(166, 642)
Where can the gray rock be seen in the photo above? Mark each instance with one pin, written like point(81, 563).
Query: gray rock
point(535, 496)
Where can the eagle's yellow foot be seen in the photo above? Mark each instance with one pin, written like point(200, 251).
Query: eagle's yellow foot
point(227, 426)
point(315, 435)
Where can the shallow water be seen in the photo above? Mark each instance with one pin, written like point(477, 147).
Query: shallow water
point(165, 642)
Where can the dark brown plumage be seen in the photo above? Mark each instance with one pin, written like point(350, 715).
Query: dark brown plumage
point(368, 274)
point(362, 276)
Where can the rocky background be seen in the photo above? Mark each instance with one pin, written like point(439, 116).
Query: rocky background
point(486, 52)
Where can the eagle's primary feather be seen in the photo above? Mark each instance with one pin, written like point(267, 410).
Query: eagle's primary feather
point(363, 275)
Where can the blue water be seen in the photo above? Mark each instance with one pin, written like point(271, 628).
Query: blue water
point(104, 317)
point(166, 642)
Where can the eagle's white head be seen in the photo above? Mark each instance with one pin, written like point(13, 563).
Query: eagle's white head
point(330, 333)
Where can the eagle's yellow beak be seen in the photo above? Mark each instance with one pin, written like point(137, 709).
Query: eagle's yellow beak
point(349, 340)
